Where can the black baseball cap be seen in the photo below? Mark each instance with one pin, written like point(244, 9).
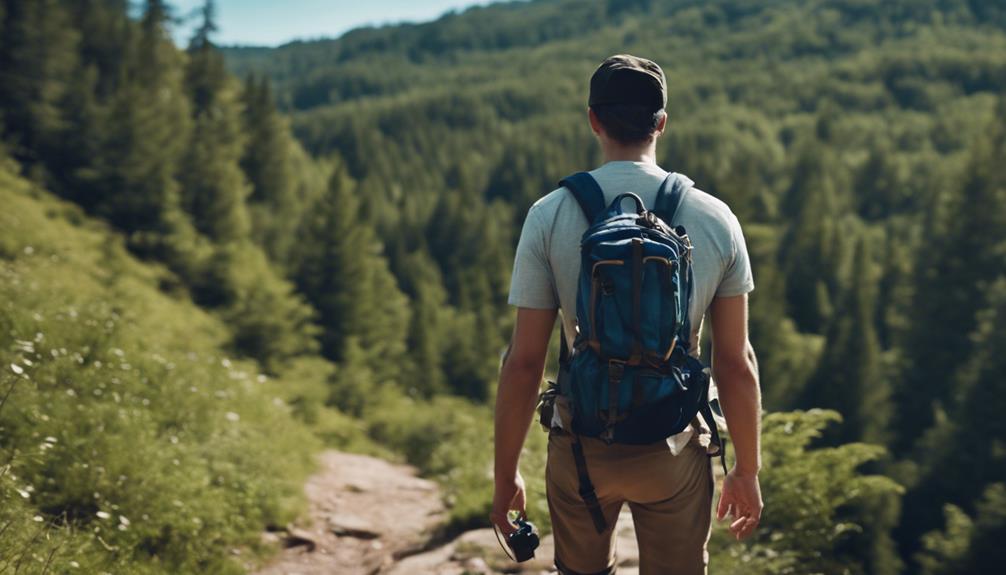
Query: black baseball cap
point(628, 80)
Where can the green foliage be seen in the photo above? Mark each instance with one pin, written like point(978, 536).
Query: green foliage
point(963, 454)
point(37, 59)
point(849, 376)
point(785, 374)
point(268, 320)
point(812, 502)
point(269, 162)
point(136, 442)
point(143, 150)
point(967, 546)
point(341, 269)
point(951, 280)
point(32, 544)
point(214, 185)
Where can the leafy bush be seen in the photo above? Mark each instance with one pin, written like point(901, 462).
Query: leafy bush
point(813, 501)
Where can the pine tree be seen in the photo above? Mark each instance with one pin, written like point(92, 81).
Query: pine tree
point(147, 132)
point(344, 274)
point(963, 453)
point(968, 546)
point(78, 166)
point(811, 252)
point(880, 185)
point(214, 187)
point(428, 324)
point(268, 320)
point(105, 29)
point(960, 255)
point(786, 357)
point(268, 163)
point(965, 289)
point(849, 377)
point(38, 57)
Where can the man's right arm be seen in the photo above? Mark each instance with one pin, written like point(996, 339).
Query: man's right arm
point(735, 370)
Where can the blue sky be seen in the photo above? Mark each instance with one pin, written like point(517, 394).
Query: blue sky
point(274, 22)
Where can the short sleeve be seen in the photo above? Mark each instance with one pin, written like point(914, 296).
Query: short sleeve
point(532, 284)
point(737, 277)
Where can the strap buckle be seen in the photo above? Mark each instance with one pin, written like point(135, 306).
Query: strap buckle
point(616, 369)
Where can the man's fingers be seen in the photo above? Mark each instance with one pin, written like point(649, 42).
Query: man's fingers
point(743, 527)
point(748, 528)
point(503, 523)
point(519, 502)
point(738, 526)
point(723, 507)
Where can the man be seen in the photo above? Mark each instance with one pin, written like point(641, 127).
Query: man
point(668, 485)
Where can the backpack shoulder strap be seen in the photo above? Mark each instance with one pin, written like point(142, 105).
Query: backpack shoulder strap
point(587, 193)
point(669, 198)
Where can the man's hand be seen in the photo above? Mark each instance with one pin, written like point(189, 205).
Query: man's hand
point(741, 500)
point(508, 496)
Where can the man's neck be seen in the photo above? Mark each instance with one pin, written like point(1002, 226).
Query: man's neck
point(646, 153)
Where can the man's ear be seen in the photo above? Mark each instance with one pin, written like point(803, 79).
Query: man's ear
point(662, 124)
point(595, 124)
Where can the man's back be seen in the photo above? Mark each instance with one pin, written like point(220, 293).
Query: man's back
point(548, 257)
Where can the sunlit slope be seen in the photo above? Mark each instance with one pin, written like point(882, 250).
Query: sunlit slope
point(124, 417)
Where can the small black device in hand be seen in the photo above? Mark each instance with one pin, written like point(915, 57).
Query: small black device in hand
point(523, 541)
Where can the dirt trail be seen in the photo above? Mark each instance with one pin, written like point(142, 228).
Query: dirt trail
point(370, 517)
point(363, 512)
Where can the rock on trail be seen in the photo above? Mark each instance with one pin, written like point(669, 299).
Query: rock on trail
point(362, 513)
point(367, 516)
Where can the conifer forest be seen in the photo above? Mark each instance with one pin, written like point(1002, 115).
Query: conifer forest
point(216, 261)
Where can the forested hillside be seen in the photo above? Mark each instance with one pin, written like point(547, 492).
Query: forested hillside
point(860, 143)
point(213, 261)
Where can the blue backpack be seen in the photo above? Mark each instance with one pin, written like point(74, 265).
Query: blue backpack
point(630, 378)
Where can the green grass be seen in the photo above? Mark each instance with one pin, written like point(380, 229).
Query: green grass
point(129, 442)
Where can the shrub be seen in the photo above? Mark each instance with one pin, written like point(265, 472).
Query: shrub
point(133, 445)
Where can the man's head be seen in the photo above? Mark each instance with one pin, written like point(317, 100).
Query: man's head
point(627, 97)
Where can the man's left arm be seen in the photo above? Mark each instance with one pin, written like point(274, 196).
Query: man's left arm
point(520, 380)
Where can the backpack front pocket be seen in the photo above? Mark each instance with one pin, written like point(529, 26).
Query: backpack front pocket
point(610, 309)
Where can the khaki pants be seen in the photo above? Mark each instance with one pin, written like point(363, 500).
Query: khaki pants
point(670, 498)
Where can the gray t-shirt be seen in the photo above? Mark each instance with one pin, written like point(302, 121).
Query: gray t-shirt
point(547, 263)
